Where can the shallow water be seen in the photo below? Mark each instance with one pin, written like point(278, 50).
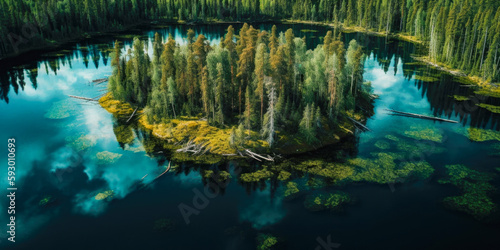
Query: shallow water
point(58, 138)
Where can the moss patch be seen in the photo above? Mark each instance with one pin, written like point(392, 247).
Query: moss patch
point(419, 133)
point(475, 187)
point(291, 189)
point(82, 142)
point(383, 169)
point(477, 134)
point(106, 157)
point(108, 194)
point(331, 201)
point(460, 98)
point(266, 241)
point(259, 175)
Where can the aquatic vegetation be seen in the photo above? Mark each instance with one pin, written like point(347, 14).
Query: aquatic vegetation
point(208, 173)
point(384, 169)
point(308, 31)
point(478, 134)
point(266, 241)
point(475, 199)
point(219, 176)
point(108, 194)
point(259, 175)
point(224, 175)
point(426, 78)
point(61, 109)
point(291, 189)
point(106, 157)
point(316, 183)
point(392, 137)
point(460, 98)
point(332, 201)
point(334, 171)
point(46, 201)
point(163, 225)
point(284, 175)
point(420, 133)
point(82, 143)
point(382, 144)
point(491, 108)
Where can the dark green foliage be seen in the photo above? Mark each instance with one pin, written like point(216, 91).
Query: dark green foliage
point(227, 84)
point(462, 34)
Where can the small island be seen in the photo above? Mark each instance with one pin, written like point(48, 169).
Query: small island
point(256, 94)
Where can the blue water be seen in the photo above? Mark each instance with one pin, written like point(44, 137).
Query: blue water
point(407, 215)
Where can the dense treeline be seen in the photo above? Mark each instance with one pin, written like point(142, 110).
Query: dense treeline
point(261, 81)
point(462, 33)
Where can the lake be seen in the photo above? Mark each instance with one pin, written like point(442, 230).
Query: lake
point(71, 151)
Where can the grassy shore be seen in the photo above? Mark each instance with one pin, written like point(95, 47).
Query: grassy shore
point(176, 132)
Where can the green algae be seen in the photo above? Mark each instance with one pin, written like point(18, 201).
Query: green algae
point(384, 170)
point(61, 109)
point(46, 201)
point(419, 133)
point(480, 135)
point(266, 241)
point(291, 189)
point(330, 201)
point(381, 144)
point(106, 157)
point(284, 175)
point(392, 138)
point(108, 194)
point(460, 98)
point(475, 187)
point(219, 176)
point(82, 142)
point(491, 108)
point(259, 175)
point(316, 183)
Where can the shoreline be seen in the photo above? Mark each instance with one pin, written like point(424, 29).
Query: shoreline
point(486, 88)
point(183, 129)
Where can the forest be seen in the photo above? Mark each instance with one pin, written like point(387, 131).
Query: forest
point(262, 81)
point(462, 34)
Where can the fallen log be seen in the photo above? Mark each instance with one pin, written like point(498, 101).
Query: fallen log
point(82, 98)
point(101, 80)
point(132, 114)
point(254, 155)
point(421, 116)
point(359, 124)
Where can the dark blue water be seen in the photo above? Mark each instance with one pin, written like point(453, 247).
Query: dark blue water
point(58, 140)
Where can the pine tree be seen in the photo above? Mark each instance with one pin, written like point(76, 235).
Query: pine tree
point(269, 125)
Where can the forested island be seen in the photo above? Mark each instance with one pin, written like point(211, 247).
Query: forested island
point(460, 35)
point(263, 91)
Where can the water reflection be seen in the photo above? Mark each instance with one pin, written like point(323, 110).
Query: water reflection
point(59, 155)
